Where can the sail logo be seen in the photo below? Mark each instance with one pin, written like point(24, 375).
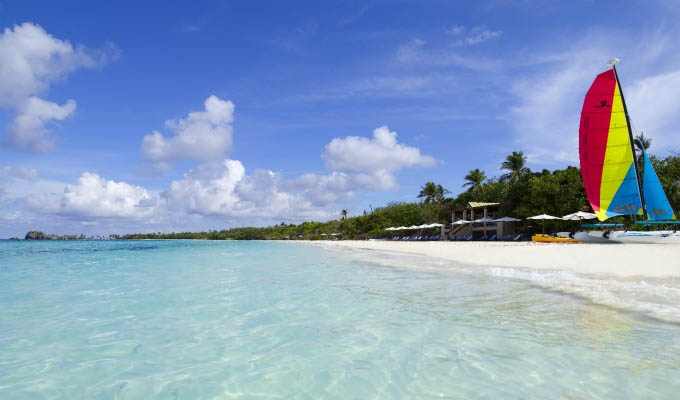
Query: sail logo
point(625, 207)
point(603, 104)
point(659, 212)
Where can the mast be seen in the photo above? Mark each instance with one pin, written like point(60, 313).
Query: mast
point(630, 136)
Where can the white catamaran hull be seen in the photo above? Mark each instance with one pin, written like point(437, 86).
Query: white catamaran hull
point(648, 237)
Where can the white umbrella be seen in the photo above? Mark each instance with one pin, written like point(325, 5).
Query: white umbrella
point(323, 234)
point(461, 222)
point(579, 216)
point(391, 228)
point(543, 217)
point(436, 225)
point(335, 234)
point(413, 227)
point(401, 228)
point(507, 219)
point(485, 219)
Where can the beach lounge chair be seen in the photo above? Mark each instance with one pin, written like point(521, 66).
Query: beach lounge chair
point(511, 238)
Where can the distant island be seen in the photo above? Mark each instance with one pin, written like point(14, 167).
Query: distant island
point(38, 235)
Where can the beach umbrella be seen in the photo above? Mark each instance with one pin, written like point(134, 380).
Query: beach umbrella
point(436, 225)
point(507, 219)
point(391, 228)
point(461, 222)
point(543, 217)
point(323, 234)
point(413, 227)
point(579, 216)
point(484, 220)
point(401, 228)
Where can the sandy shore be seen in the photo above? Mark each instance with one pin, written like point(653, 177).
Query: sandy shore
point(618, 260)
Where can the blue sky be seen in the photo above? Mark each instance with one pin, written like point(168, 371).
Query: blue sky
point(202, 115)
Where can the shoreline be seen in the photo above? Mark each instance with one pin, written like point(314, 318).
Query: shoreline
point(622, 261)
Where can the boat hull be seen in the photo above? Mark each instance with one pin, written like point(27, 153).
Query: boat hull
point(644, 237)
point(552, 239)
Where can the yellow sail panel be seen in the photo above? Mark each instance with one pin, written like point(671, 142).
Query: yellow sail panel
point(619, 192)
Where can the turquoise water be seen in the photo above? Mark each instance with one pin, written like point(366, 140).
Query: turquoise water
point(220, 320)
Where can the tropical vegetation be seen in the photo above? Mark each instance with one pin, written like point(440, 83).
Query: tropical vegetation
point(520, 192)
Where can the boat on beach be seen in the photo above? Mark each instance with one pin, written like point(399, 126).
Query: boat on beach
point(647, 237)
point(544, 238)
point(610, 172)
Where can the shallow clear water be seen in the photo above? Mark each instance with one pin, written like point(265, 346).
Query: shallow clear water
point(212, 320)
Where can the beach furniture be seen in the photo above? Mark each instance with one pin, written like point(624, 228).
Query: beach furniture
point(511, 238)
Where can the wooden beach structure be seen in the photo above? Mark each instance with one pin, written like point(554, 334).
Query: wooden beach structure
point(484, 213)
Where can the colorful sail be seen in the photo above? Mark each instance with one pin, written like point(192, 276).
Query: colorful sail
point(606, 153)
point(658, 206)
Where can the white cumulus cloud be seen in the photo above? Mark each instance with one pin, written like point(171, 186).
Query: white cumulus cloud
point(356, 163)
point(28, 130)
point(355, 153)
point(224, 189)
point(31, 60)
point(202, 135)
point(92, 196)
point(373, 162)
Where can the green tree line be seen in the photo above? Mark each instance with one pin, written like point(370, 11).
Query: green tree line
point(521, 192)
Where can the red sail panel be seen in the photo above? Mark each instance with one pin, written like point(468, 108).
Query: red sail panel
point(594, 132)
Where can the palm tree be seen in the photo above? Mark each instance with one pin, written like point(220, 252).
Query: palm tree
point(474, 179)
point(515, 163)
point(432, 192)
point(343, 213)
point(641, 142)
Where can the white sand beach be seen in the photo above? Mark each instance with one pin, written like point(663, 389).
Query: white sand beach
point(632, 260)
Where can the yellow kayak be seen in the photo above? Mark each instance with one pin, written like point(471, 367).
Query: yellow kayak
point(542, 238)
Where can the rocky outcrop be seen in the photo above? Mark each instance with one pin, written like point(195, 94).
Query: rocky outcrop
point(36, 235)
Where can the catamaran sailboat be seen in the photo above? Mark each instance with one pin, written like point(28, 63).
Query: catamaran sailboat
point(609, 170)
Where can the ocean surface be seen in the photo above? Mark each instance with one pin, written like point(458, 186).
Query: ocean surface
point(222, 320)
